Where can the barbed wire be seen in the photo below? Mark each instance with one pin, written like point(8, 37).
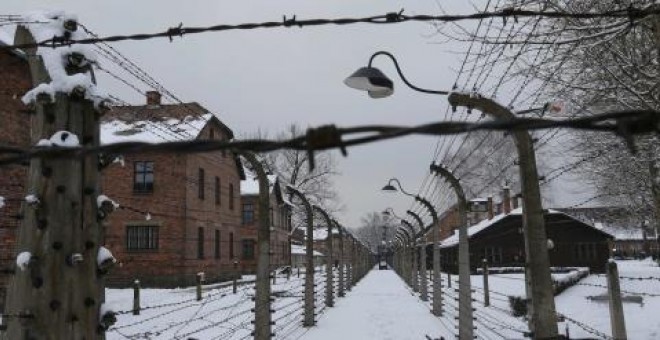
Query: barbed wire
point(327, 137)
point(630, 13)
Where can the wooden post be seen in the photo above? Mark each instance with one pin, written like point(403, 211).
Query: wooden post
point(52, 291)
point(484, 267)
point(136, 297)
point(200, 280)
point(617, 320)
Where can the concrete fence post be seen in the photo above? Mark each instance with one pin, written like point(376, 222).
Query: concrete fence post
point(617, 320)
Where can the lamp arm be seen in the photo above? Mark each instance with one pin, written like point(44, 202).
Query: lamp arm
point(398, 70)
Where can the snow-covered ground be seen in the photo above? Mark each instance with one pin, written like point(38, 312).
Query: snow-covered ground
point(381, 306)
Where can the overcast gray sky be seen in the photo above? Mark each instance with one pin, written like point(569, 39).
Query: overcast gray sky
point(268, 79)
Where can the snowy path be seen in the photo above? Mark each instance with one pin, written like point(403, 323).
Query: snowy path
point(379, 307)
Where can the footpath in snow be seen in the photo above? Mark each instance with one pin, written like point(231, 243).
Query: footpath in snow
point(379, 307)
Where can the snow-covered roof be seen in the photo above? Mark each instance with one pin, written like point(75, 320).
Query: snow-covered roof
point(162, 129)
point(301, 250)
point(623, 233)
point(485, 224)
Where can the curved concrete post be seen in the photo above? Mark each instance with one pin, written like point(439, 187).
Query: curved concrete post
point(464, 285)
point(329, 280)
point(542, 311)
point(262, 317)
point(308, 320)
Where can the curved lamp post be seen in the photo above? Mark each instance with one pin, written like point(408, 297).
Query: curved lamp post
point(464, 285)
point(542, 311)
point(308, 320)
point(437, 279)
point(328, 258)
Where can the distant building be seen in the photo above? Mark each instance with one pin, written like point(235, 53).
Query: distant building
point(180, 212)
point(15, 81)
point(499, 240)
point(280, 220)
point(298, 256)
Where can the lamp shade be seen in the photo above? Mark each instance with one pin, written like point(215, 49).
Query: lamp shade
point(389, 187)
point(372, 80)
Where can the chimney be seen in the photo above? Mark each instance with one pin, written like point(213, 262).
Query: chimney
point(506, 200)
point(153, 98)
point(490, 207)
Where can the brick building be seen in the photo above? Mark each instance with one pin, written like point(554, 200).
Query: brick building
point(280, 219)
point(180, 212)
point(15, 81)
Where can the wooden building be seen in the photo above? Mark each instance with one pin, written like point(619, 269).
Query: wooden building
point(499, 240)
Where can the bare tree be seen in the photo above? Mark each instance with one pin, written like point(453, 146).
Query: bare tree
point(593, 65)
point(374, 229)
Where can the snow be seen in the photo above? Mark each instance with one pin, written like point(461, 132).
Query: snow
point(23, 260)
point(106, 308)
point(103, 198)
point(153, 131)
point(55, 59)
point(5, 37)
point(379, 307)
point(300, 250)
point(2, 202)
point(64, 139)
point(104, 255)
point(32, 199)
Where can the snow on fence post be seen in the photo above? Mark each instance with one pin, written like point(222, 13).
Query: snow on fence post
point(484, 265)
point(136, 297)
point(65, 227)
point(617, 320)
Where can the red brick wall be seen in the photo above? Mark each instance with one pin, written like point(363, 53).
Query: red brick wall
point(279, 234)
point(178, 211)
point(14, 130)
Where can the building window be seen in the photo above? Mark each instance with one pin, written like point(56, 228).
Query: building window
point(248, 213)
point(493, 254)
point(217, 190)
point(200, 243)
point(141, 238)
point(200, 183)
point(217, 244)
point(143, 178)
point(231, 196)
point(248, 249)
point(231, 245)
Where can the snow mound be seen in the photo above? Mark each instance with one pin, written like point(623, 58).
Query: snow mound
point(23, 260)
point(104, 255)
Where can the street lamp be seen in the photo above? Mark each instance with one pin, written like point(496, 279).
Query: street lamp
point(437, 279)
point(542, 311)
point(376, 83)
